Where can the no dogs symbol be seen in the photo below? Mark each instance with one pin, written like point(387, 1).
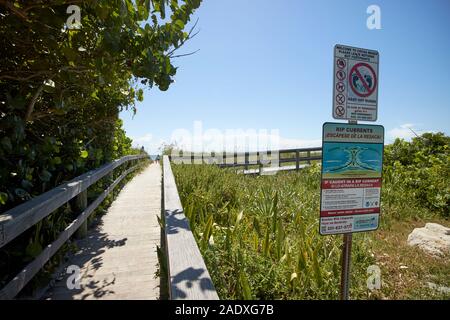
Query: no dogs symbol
point(362, 79)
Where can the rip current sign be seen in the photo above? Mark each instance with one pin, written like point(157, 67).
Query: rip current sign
point(352, 162)
point(355, 88)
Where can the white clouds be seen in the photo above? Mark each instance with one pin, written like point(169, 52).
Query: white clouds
point(238, 140)
point(241, 140)
point(149, 142)
point(250, 139)
point(406, 131)
point(299, 143)
point(198, 139)
point(402, 132)
point(143, 139)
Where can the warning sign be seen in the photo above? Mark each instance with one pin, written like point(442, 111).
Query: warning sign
point(340, 87)
point(363, 80)
point(352, 160)
point(356, 78)
point(341, 63)
point(340, 75)
point(340, 111)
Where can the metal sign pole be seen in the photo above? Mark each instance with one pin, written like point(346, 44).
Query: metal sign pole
point(346, 257)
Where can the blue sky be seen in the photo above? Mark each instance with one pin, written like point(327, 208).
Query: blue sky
point(269, 65)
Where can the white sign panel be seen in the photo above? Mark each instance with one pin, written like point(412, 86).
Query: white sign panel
point(355, 85)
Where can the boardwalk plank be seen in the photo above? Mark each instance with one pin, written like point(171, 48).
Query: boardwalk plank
point(118, 259)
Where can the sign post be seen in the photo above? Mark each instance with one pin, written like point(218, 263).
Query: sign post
point(352, 160)
point(346, 257)
point(352, 154)
point(345, 270)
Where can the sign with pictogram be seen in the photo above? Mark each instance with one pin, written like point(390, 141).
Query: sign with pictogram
point(356, 79)
point(352, 162)
point(340, 111)
point(340, 75)
point(363, 80)
point(340, 86)
point(341, 63)
point(340, 98)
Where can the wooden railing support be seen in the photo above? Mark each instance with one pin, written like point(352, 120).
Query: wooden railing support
point(81, 203)
point(246, 160)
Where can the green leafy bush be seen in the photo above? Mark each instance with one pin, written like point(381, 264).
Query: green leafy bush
point(61, 91)
point(421, 168)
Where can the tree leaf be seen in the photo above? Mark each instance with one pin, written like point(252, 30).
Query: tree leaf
point(3, 198)
point(245, 286)
point(84, 154)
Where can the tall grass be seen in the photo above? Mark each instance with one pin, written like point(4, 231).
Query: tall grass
point(259, 235)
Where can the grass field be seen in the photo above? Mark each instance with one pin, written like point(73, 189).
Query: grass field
point(260, 238)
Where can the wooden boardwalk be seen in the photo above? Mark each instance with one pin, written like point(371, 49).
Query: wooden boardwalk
point(118, 258)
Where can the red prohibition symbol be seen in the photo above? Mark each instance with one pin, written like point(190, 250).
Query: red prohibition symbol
point(340, 86)
point(362, 79)
point(340, 75)
point(340, 98)
point(341, 63)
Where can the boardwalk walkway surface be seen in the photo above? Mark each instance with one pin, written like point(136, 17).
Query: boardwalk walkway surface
point(118, 258)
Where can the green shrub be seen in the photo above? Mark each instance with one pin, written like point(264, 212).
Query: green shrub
point(421, 170)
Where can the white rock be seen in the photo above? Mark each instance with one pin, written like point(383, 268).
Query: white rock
point(433, 238)
point(441, 289)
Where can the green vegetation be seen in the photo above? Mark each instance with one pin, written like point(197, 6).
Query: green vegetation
point(29, 245)
point(259, 234)
point(61, 91)
point(421, 169)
